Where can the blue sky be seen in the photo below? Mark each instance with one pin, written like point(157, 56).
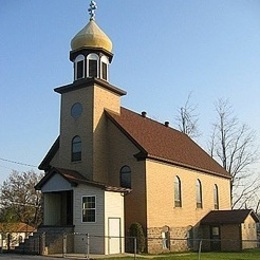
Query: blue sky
point(163, 50)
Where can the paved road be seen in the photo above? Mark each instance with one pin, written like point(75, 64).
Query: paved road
point(25, 257)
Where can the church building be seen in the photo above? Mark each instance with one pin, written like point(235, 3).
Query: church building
point(111, 167)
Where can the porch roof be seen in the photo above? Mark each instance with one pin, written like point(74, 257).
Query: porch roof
point(228, 216)
point(75, 178)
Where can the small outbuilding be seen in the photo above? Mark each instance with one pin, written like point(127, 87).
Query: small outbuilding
point(12, 234)
point(229, 230)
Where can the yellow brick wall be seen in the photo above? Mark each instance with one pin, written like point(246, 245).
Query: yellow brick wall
point(70, 127)
point(90, 126)
point(103, 99)
point(160, 195)
point(122, 153)
point(153, 188)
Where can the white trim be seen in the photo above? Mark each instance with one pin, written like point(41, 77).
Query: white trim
point(87, 196)
point(104, 59)
point(92, 56)
point(78, 59)
point(177, 184)
point(114, 239)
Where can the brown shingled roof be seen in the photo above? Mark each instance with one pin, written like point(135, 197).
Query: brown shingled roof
point(45, 164)
point(157, 141)
point(228, 216)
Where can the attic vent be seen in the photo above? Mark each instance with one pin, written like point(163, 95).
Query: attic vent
point(166, 123)
point(144, 114)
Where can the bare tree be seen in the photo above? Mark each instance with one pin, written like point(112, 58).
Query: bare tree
point(187, 119)
point(20, 202)
point(232, 144)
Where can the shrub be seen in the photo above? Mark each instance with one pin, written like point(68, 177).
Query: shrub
point(136, 230)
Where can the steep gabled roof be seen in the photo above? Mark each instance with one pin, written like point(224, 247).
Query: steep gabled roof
point(160, 142)
point(228, 216)
point(156, 141)
point(45, 163)
point(75, 178)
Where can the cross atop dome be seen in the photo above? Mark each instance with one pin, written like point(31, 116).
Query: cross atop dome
point(91, 10)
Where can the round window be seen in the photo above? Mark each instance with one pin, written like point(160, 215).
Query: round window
point(76, 110)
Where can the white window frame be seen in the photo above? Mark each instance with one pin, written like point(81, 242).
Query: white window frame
point(92, 56)
point(199, 197)
point(104, 59)
point(77, 60)
point(75, 144)
point(177, 192)
point(82, 209)
point(216, 196)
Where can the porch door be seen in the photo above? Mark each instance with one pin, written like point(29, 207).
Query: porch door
point(215, 238)
point(114, 235)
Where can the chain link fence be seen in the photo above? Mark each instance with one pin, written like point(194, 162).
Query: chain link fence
point(73, 244)
point(87, 245)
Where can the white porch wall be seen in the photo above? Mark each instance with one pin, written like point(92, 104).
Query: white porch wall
point(114, 208)
point(97, 245)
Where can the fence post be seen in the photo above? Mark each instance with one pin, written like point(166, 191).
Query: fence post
point(88, 241)
point(64, 245)
point(200, 245)
point(42, 243)
point(135, 247)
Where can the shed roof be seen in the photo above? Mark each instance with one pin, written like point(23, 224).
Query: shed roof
point(228, 216)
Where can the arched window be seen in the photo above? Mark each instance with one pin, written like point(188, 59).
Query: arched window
point(166, 237)
point(198, 194)
point(92, 65)
point(177, 192)
point(79, 65)
point(104, 67)
point(216, 199)
point(76, 149)
point(125, 177)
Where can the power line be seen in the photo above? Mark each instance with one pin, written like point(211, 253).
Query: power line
point(19, 163)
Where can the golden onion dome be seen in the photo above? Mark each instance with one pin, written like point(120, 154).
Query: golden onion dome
point(91, 36)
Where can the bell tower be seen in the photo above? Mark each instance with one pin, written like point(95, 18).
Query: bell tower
point(83, 127)
point(91, 50)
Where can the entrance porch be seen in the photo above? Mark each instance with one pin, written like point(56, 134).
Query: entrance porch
point(58, 208)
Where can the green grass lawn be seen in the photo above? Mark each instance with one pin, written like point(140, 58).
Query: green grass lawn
point(245, 255)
